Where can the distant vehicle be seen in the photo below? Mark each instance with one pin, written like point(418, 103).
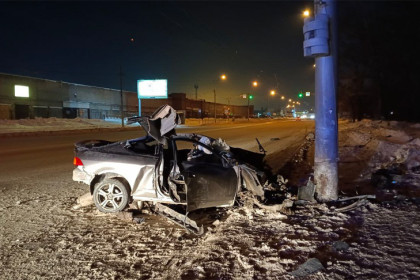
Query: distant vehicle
point(165, 168)
point(298, 119)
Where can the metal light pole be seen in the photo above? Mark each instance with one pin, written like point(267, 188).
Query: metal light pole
point(248, 106)
point(272, 93)
point(214, 92)
point(321, 43)
point(196, 88)
point(121, 96)
point(222, 77)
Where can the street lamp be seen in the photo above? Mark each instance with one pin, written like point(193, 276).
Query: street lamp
point(249, 96)
point(222, 77)
point(272, 93)
point(121, 98)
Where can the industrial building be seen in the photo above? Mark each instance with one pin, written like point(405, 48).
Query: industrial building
point(27, 97)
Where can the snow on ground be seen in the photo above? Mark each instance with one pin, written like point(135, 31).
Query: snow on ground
point(46, 239)
point(54, 124)
point(42, 125)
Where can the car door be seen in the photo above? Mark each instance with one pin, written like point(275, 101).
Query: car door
point(210, 180)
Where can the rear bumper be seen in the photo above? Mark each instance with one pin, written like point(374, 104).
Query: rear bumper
point(79, 175)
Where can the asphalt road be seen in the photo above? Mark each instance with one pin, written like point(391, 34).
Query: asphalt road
point(39, 155)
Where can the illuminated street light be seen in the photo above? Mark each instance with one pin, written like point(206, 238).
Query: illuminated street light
point(272, 93)
point(282, 97)
point(222, 77)
point(254, 84)
point(290, 100)
point(306, 13)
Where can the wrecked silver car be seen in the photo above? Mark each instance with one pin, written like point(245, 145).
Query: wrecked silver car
point(165, 168)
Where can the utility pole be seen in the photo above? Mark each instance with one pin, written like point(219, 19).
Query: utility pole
point(214, 92)
point(121, 96)
point(196, 88)
point(321, 43)
point(228, 114)
point(248, 96)
point(222, 77)
point(247, 113)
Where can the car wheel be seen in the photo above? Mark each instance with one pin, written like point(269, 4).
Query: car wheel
point(110, 196)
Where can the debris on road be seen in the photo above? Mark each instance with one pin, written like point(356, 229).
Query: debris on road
point(309, 267)
point(307, 192)
point(358, 203)
point(340, 246)
point(83, 200)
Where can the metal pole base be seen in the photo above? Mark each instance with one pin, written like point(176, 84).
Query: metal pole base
point(326, 180)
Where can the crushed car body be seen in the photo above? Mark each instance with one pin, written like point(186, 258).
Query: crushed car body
point(164, 167)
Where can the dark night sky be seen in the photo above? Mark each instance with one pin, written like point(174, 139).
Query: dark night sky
point(184, 42)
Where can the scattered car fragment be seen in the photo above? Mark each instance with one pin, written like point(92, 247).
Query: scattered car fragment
point(165, 168)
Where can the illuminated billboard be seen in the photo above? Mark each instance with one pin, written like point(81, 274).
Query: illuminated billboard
point(152, 89)
point(21, 91)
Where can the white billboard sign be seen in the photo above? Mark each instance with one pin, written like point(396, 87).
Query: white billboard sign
point(21, 91)
point(152, 89)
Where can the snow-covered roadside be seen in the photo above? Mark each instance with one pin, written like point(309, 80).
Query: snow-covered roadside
point(51, 125)
point(383, 154)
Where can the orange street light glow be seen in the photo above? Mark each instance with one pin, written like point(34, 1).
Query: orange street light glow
point(272, 92)
point(223, 77)
point(255, 83)
point(306, 13)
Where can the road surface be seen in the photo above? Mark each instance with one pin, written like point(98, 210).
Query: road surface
point(27, 155)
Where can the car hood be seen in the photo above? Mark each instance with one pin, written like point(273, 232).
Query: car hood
point(161, 124)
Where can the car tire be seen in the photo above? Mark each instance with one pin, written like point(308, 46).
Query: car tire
point(110, 196)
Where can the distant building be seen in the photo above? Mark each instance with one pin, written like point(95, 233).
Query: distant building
point(27, 97)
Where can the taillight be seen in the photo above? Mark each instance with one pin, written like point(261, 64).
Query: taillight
point(77, 161)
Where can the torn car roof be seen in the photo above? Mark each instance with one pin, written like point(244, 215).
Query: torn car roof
point(161, 124)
